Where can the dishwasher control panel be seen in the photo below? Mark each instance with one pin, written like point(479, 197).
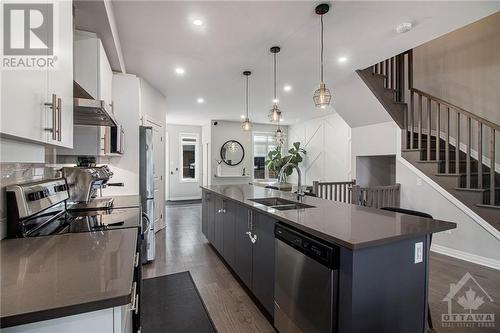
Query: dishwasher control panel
point(323, 253)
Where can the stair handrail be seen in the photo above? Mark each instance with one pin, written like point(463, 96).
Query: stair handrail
point(457, 108)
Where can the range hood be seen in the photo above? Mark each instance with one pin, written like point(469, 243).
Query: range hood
point(89, 111)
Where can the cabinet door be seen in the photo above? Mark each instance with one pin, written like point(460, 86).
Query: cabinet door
point(229, 232)
point(60, 78)
point(263, 261)
point(105, 76)
point(219, 222)
point(23, 94)
point(204, 212)
point(243, 248)
point(211, 218)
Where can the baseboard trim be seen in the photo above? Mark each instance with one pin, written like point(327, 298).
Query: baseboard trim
point(473, 258)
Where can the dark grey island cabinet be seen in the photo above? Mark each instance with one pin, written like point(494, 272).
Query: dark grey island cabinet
point(379, 272)
point(245, 239)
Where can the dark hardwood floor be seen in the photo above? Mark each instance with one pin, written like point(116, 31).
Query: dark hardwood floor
point(182, 246)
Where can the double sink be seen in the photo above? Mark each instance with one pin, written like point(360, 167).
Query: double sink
point(281, 204)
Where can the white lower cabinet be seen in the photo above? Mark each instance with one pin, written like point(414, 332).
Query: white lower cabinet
point(112, 320)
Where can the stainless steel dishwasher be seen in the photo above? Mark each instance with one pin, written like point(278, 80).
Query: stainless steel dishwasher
point(306, 283)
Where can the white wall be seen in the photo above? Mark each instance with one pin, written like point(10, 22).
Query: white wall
point(126, 108)
point(327, 143)
point(179, 190)
point(231, 130)
point(372, 140)
point(153, 103)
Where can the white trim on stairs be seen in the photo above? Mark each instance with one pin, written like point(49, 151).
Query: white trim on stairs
point(485, 225)
point(488, 262)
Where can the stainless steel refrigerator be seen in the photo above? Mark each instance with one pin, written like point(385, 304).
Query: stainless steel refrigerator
point(146, 187)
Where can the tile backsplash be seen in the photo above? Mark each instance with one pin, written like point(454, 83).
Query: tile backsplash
point(14, 173)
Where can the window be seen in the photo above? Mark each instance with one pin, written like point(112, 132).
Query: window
point(263, 143)
point(189, 157)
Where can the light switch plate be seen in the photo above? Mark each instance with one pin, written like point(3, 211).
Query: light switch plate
point(419, 252)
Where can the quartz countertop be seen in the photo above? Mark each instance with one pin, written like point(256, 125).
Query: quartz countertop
point(350, 226)
point(55, 276)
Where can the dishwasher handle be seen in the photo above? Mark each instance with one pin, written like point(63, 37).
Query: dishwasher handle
point(325, 254)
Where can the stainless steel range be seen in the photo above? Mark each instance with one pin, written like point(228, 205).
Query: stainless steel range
point(40, 209)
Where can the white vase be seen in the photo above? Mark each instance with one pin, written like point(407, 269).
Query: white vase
point(219, 170)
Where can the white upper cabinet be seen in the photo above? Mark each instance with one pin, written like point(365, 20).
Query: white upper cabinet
point(92, 70)
point(29, 91)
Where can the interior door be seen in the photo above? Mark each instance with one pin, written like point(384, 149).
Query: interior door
point(158, 156)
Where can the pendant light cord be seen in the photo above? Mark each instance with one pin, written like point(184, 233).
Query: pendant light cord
point(321, 16)
point(275, 94)
point(246, 97)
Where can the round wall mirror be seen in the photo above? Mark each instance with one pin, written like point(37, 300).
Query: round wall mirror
point(232, 152)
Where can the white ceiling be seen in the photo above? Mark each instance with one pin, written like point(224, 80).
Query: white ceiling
point(158, 36)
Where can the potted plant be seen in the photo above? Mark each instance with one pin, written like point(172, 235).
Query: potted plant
point(276, 160)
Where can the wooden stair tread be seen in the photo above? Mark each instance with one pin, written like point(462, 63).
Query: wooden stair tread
point(475, 189)
point(488, 206)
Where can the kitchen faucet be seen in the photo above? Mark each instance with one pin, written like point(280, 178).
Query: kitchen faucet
point(300, 192)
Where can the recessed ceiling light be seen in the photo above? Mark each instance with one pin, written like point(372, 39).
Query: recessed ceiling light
point(200, 100)
point(179, 70)
point(287, 88)
point(197, 22)
point(404, 27)
point(342, 59)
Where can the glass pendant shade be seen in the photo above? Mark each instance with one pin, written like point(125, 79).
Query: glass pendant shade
point(279, 137)
point(322, 96)
point(247, 125)
point(233, 147)
point(275, 114)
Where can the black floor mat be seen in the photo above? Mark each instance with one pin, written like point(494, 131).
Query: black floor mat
point(172, 304)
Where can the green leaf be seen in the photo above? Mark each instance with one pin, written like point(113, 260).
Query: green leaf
point(296, 145)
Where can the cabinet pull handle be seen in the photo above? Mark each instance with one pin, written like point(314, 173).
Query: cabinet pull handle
point(59, 111)
point(53, 107)
point(253, 238)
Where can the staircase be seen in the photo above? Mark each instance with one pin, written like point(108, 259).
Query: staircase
point(452, 146)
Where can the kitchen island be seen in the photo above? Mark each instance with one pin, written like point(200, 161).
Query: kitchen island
point(78, 282)
point(381, 263)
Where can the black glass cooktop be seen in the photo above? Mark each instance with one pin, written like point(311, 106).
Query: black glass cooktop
point(60, 222)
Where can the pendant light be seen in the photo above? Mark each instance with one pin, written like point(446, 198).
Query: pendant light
point(275, 112)
point(279, 137)
point(322, 96)
point(247, 125)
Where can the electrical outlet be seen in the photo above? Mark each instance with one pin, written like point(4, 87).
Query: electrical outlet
point(419, 252)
